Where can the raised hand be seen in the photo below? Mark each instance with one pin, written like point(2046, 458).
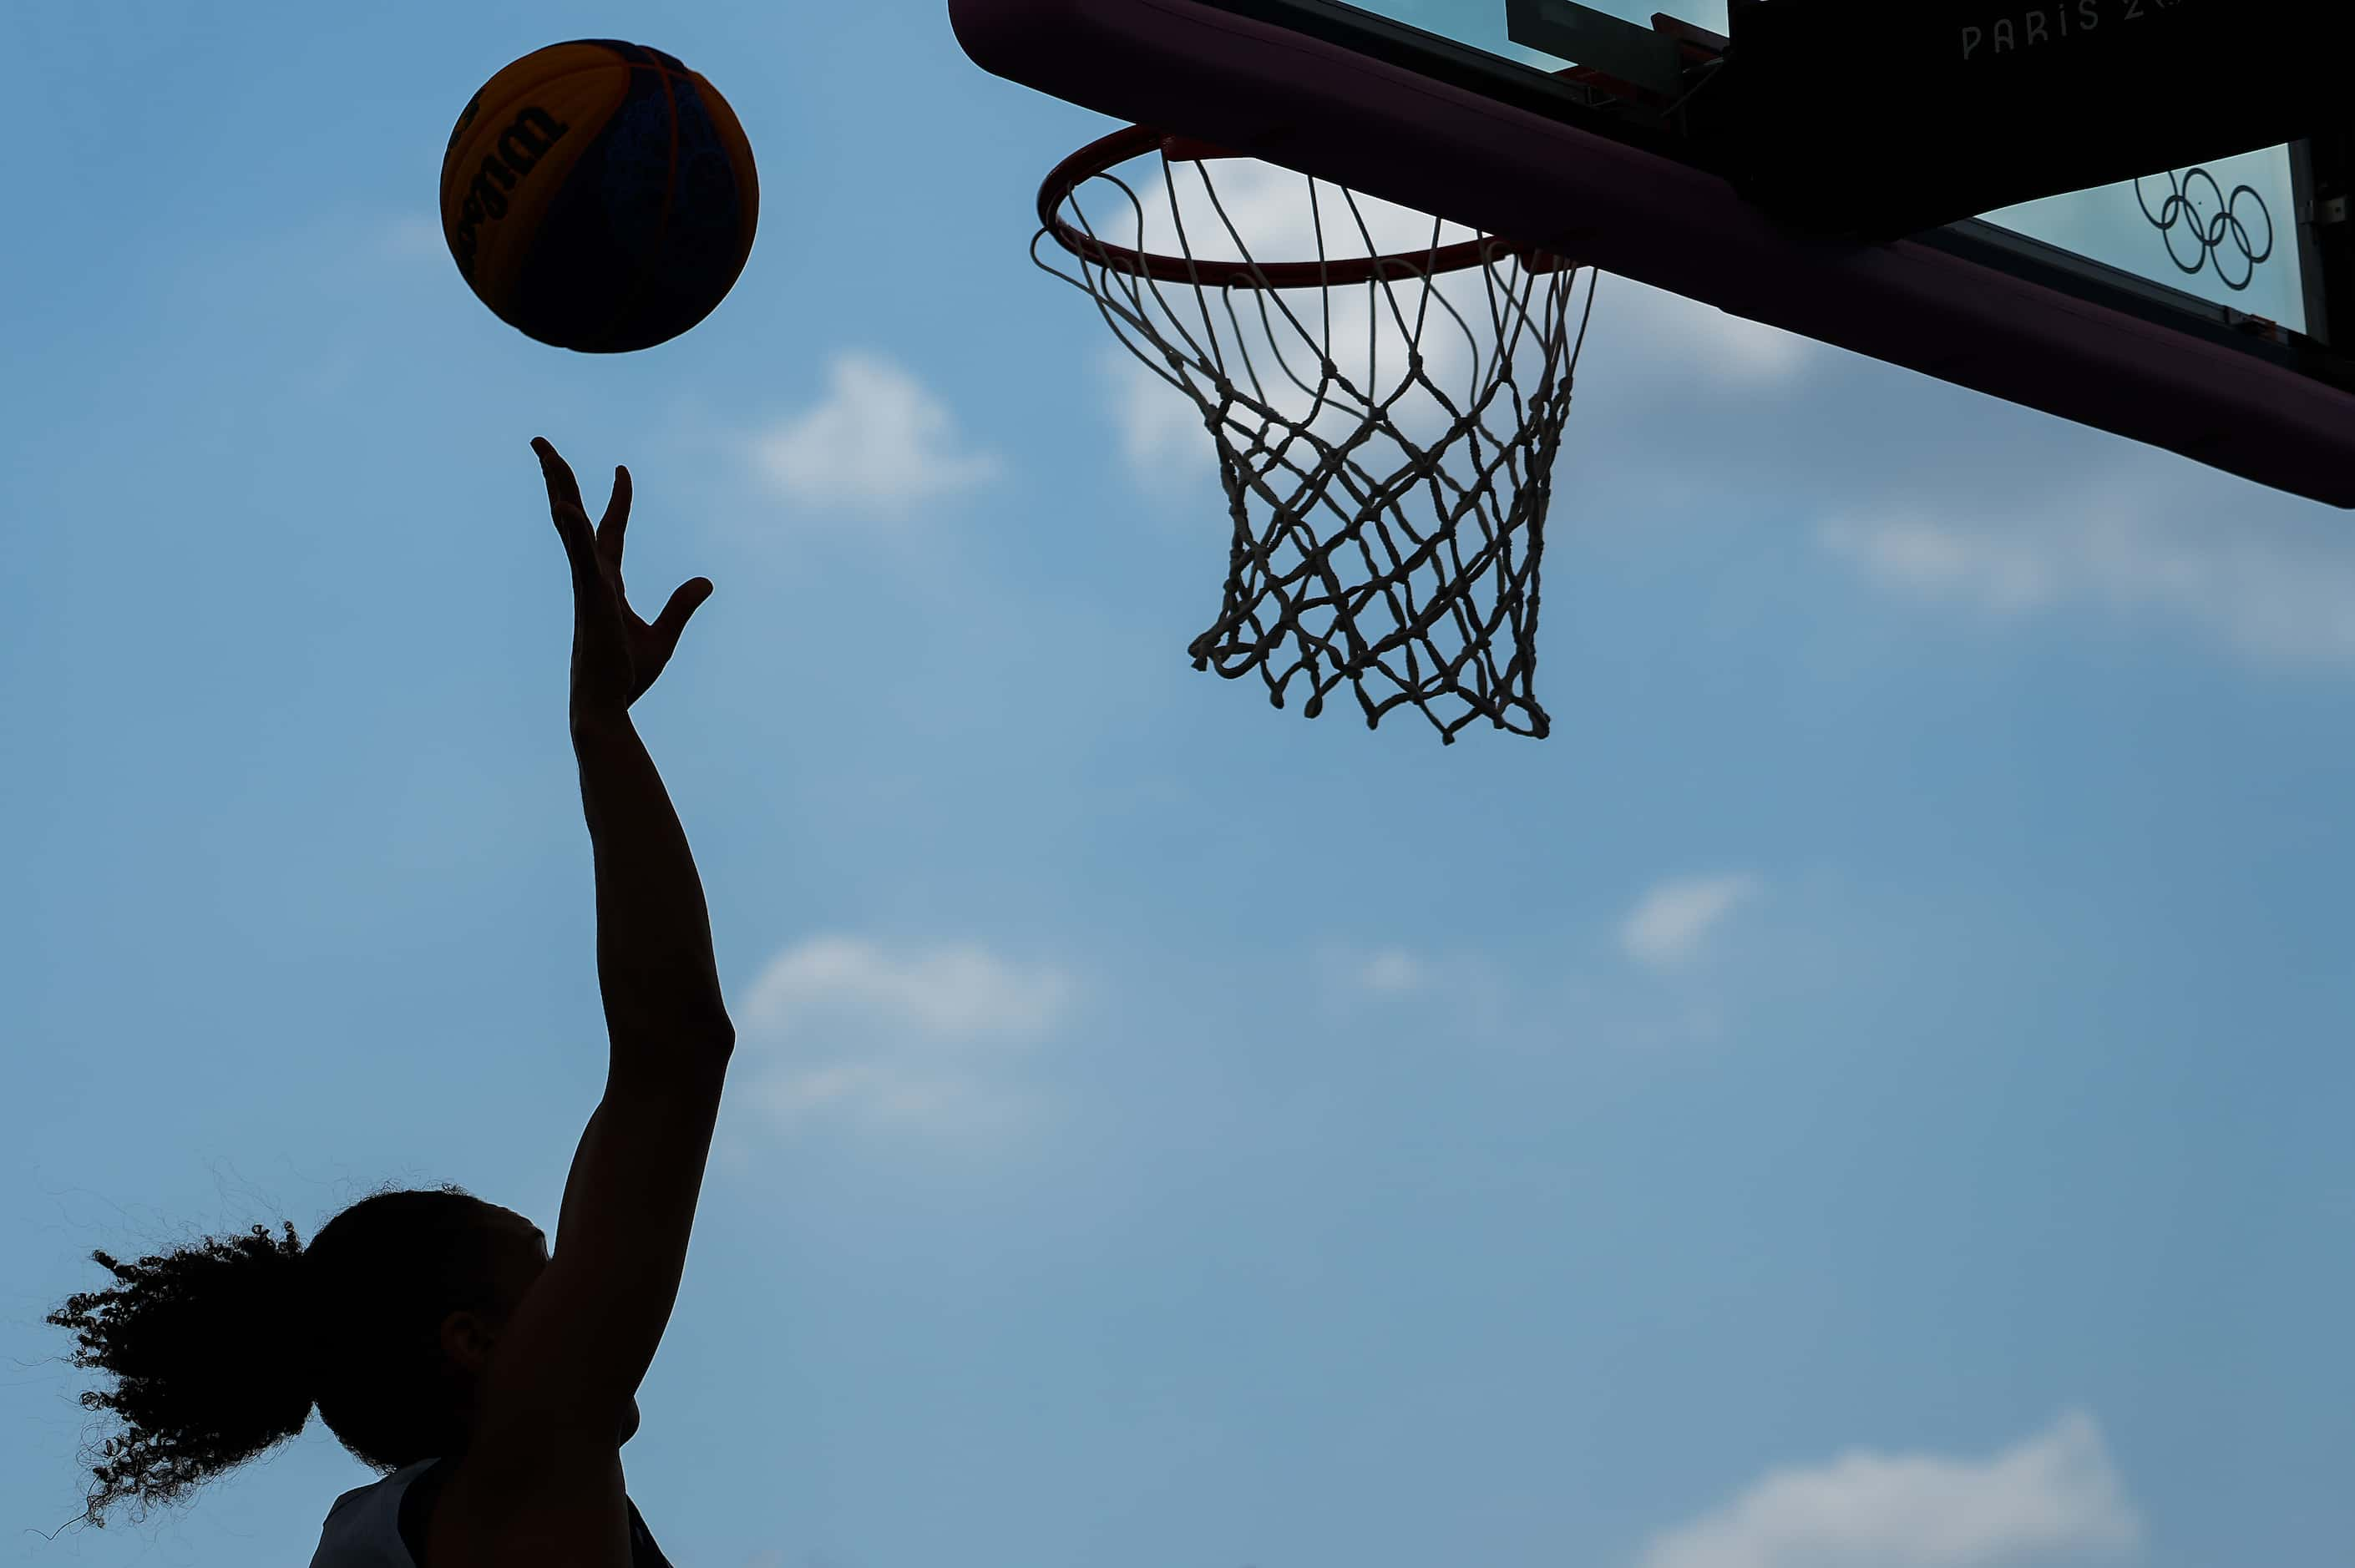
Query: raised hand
point(615, 655)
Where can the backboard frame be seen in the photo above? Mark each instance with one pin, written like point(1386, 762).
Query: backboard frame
point(1555, 164)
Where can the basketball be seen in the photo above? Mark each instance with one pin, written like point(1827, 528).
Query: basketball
point(599, 196)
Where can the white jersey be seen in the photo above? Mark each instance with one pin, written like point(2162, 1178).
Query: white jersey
point(363, 1529)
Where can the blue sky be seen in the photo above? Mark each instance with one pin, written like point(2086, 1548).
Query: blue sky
point(1868, 1090)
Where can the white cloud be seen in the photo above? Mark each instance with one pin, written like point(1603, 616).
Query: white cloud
point(880, 444)
point(954, 991)
point(1655, 331)
point(2274, 589)
point(840, 1026)
point(412, 234)
point(1161, 431)
point(2053, 1495)
point(1363, 982)
point(1671, 921)
point(2004, 575)
point(1392, 970)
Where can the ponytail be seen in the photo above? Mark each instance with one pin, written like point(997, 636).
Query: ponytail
point(219, 1351)
point(212, 1361)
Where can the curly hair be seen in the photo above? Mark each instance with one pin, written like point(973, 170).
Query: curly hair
point(219, 1350)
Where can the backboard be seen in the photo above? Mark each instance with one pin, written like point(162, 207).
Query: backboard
point(2187, 308)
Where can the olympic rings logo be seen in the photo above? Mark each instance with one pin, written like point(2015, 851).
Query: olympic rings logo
point(2180, 211)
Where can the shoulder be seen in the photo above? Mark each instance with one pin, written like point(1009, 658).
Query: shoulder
point(363, 1526)
point(434, 1513)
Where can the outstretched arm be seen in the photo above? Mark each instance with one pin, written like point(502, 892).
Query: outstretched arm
point(556, 1400)
point(655, 963)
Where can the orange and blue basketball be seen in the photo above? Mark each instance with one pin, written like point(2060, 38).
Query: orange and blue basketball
point(599, 195)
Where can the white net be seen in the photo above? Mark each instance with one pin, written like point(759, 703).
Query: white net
point(1386, 416)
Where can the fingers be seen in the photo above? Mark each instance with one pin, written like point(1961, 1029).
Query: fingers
point(571, 521)
point(564, 496)
point(591, 549)
point(672, 619)
point(563, 490)
point(617, 517)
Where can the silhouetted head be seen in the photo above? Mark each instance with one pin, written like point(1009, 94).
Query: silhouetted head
point(386, 1322)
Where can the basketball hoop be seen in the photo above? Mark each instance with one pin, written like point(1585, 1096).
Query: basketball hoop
point(1389, 506)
